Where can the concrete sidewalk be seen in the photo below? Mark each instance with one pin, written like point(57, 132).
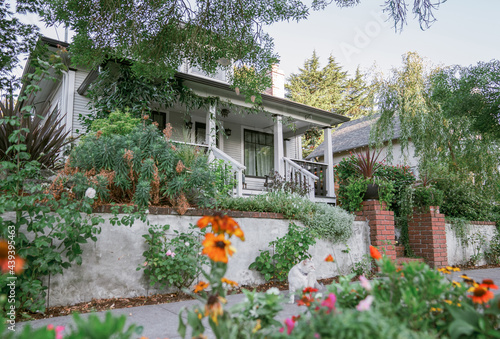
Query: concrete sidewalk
point(161, 321)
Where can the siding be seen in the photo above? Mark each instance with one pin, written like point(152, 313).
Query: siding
point(79, 104)
point(232, 144)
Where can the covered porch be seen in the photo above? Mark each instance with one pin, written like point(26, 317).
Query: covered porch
point(257, 145)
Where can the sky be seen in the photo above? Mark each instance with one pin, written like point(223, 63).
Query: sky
point(465, 32)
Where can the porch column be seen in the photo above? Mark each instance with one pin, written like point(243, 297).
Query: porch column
point(279, 165)
point(330, 184)
point(210, 136)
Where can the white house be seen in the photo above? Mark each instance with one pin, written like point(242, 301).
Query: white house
point(255, 145)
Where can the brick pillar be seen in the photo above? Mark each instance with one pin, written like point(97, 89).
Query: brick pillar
point(427, 234)
point(381, 224)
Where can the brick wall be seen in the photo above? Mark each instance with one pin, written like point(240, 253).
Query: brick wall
point(427, 236)
point(381, 223)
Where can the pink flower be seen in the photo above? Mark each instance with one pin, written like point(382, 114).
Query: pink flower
point(59, 330)
point(170, 253)
point(364, 305)
point(330, 302)
point(290, 324)
point(365, 283)
point(282, 330)
point(50, 327)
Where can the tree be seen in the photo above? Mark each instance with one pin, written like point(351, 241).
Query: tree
point(331, 89)
point(428, 116)
point(471, 92)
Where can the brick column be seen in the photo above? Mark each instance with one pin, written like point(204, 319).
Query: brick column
point(427, 234)
point(381, 224)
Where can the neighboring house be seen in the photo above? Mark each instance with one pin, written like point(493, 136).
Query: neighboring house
point(255, 146)
point(354, 136)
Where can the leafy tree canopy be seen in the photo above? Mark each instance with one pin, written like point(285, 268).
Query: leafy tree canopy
point(445, 135)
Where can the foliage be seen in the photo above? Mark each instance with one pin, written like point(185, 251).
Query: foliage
point(225, 180)
point(366, 164)
point(471, 92)
point(277, 183)
point(256, 306)
point(174, 262)
point(118, 122)
point(326, 221)
point(43, 133)
point(90, 328)
point(492, 255)
point(362, 267)
point(353, 195)
point(427, 196)
point(415, 94)
point(288, 251)
point(330, 89)
point(142, 167)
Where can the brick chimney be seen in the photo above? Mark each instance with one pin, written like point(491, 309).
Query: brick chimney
point(278, 83)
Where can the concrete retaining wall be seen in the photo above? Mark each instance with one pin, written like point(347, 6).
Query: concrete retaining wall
point(109, 265)
point(460, 251)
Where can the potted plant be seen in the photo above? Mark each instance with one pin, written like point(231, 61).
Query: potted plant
point(366, 165)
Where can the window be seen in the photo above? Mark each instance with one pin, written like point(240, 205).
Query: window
point(200, 130)
point(259, 153)
point(160, 118)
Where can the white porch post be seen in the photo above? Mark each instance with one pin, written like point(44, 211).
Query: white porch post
point(279, 165)
point(330, 184)
point(70, 100)
point(299, 147)
point(210, 133)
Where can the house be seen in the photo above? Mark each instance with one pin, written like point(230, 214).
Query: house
point(354, 136)
point(254, 145)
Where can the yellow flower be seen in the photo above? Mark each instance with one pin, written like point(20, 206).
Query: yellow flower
point(213, 308)
point(434, 309)
point(449, 302)
point(217, 248)
point(456, 283)
point(257, 327)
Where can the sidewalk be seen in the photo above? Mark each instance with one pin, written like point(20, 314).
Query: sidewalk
point(161, 321)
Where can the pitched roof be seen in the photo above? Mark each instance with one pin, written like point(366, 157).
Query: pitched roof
point(353, 134)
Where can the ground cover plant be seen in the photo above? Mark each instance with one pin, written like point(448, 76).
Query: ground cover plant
point(323, 220)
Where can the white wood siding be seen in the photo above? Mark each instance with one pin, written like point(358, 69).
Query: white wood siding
point(79, 104)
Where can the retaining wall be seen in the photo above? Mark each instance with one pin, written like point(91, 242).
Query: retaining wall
point(459, 250)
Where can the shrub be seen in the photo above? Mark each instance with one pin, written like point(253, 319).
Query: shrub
point(427, 196)
point(335, 224)
point(288, 251)
point(174, 262)
point(142, 167)
point(118, 122)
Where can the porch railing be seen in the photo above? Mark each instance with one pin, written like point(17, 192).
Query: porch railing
point(236, 167)
point(300, 175)
point(319, 169)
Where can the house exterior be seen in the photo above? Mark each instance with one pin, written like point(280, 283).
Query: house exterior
point(254, 145)
point(354, 136)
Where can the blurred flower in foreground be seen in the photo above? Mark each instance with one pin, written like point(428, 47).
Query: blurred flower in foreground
point(365, 304)
point(365, 283)
point(213, 308)
point(480, 294)
point(374, 253)
point(222, 224)
point(217, 248)
point(200, 286)
point(15, 264)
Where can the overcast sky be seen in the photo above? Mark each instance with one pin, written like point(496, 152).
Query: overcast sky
point(465, 32)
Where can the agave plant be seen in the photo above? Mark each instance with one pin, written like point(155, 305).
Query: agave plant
point(367, 163)
point(44, 134)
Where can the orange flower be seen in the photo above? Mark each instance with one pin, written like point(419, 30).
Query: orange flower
point(488, 283)
point(213, 308)
point(200, 286)
point(375, 254)
point(9, 265)
point(229, 282)
point(217, 247)
point(305, 301)
point(222, 224)
point(329, 258)
point(481, 295)
point(309, 290)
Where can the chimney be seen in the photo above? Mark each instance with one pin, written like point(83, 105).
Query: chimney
point(278, 83)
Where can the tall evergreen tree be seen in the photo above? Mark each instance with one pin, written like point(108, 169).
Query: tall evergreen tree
point(331, 89)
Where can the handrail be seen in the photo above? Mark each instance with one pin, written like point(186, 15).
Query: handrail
point(300, 169)
point(221, 155)
point(189, 143)
point(310, 162)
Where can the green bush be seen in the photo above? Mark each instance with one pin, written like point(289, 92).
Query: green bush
point(427, 196)
point(174, 262)
point(329, 222)
point(142, 167)
point(118, 122)
point(288, 251)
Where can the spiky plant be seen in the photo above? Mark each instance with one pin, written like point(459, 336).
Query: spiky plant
point(44, 134)
point(367, 163)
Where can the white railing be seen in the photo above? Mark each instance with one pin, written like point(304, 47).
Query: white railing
point(294, 172)
point(236, 167)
